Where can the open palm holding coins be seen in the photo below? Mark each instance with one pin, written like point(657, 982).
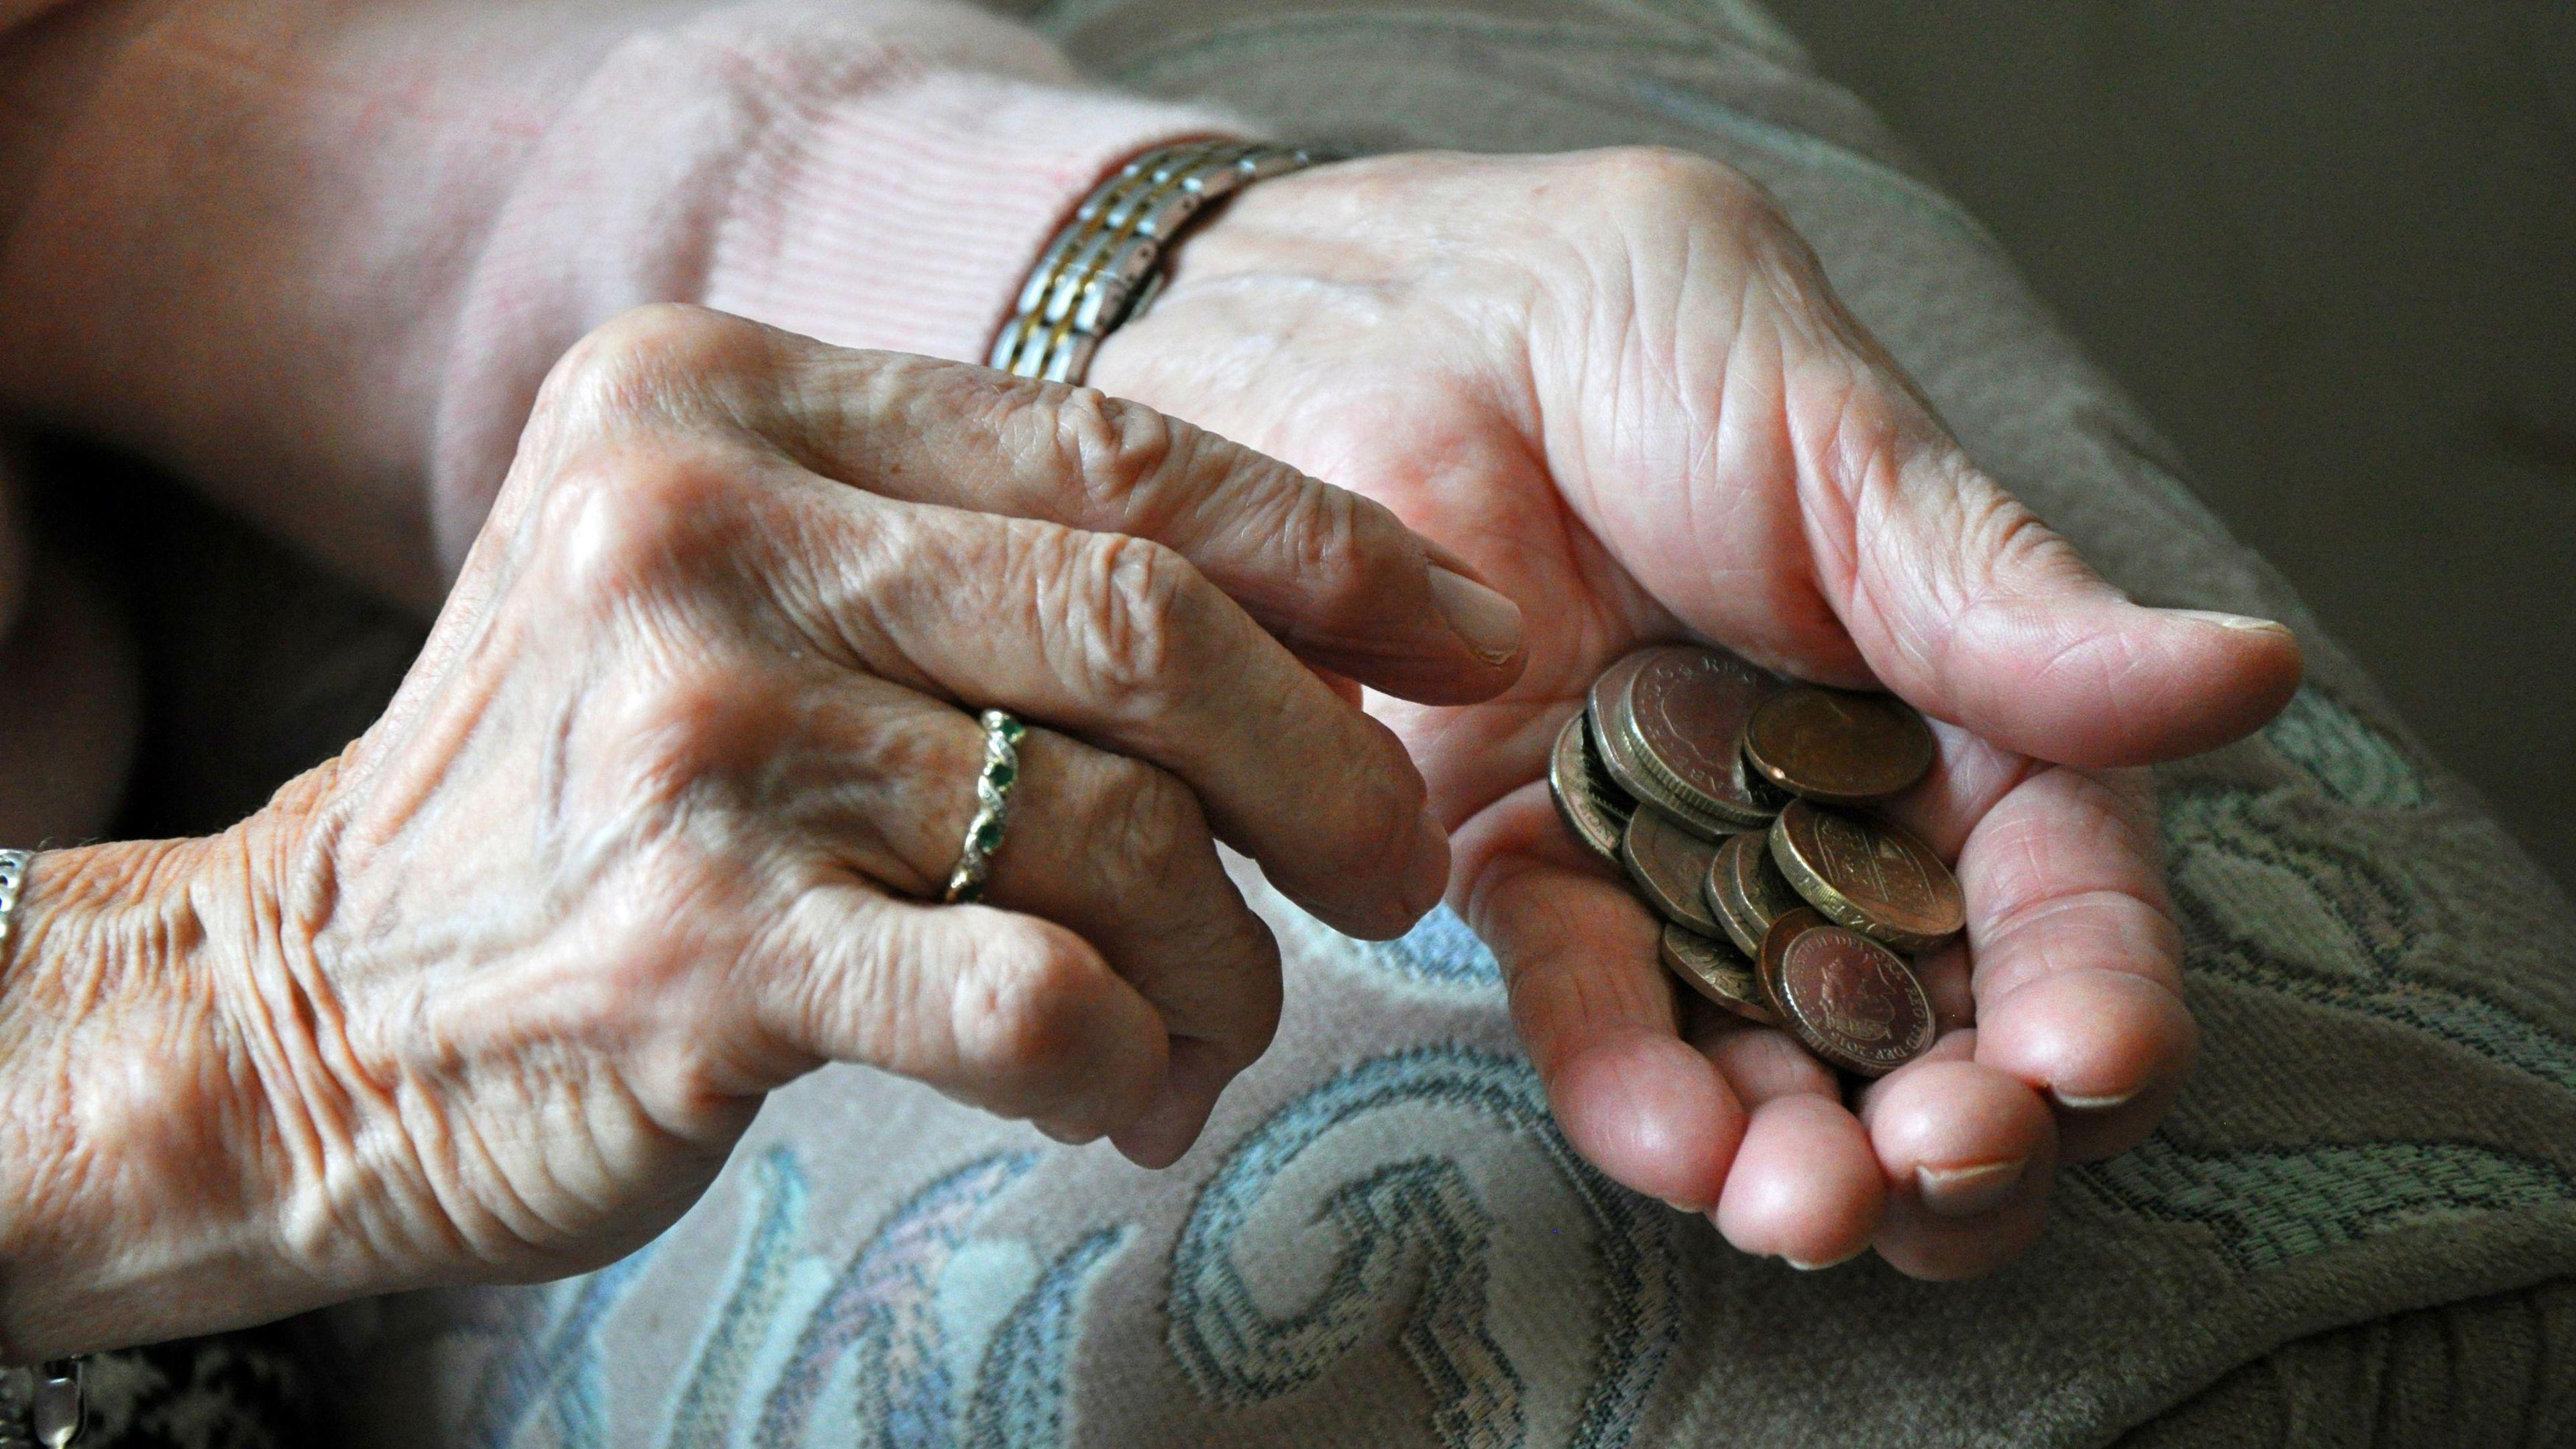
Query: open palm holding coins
point(1728, 796)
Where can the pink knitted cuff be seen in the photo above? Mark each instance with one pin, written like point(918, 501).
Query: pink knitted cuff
point(909, 221)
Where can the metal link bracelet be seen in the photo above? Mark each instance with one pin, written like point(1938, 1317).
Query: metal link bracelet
point(39, 1406)
point(1106, 263)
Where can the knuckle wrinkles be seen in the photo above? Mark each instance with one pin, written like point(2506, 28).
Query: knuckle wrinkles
point(1017, 1022)
point(2012, 540)
point(1345, 551)
point(1148, 824)
point(1126, 621)
point(1114, 449)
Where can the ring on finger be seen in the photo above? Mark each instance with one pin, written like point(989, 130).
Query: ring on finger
point(993, 784)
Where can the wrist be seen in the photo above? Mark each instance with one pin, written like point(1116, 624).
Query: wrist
point(142, 1155)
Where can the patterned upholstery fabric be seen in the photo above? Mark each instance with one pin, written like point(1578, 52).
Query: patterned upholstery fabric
point(2359, 1224)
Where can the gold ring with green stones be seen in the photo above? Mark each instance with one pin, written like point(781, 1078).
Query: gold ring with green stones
point(992, 807)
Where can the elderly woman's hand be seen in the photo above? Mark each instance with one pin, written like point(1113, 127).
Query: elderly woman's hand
point(656, 823)
point(1618, 383)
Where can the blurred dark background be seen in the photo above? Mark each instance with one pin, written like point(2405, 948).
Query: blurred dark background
point(2332, 248)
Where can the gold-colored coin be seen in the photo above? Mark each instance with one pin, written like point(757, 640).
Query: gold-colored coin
point(1716, 971)
point(1837, 746)
point(1622, 752)
point(1747, 891)
point(1668, 863)
point(1868, 875)
point(1684, 709)
point(1586, 798)
point(1847, 999)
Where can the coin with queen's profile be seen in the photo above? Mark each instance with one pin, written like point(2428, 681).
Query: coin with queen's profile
point(1685, 709)
point(1849, 1000)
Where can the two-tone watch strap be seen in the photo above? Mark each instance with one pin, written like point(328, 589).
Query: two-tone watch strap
point(1108, 257)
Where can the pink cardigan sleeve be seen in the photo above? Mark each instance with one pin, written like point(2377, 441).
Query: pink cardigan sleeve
point(319, 254)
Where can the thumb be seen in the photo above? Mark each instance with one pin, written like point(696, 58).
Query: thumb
point(1960, 599)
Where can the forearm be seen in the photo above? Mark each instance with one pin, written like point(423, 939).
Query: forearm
point(318, 256)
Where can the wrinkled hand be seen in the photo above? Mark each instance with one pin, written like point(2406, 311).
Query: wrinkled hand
point(651, 828)
point(1618, 386)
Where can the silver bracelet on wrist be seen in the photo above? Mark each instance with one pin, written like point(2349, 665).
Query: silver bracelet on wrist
point(1106, 263)
point(40, 1407)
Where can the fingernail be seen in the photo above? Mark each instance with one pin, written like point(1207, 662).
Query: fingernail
point(2075, 1103)
point(1683, 1207)
point(1828, 1263)
point(2243, 622)
point(1069, 1136)
point(1967, 1192)
point(1490, 623)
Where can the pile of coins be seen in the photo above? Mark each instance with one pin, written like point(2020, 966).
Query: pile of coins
point(1727, 795)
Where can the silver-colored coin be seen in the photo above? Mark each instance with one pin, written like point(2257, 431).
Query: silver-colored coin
point(1587, 799)
point(1717, 971)
point(1623, 753)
